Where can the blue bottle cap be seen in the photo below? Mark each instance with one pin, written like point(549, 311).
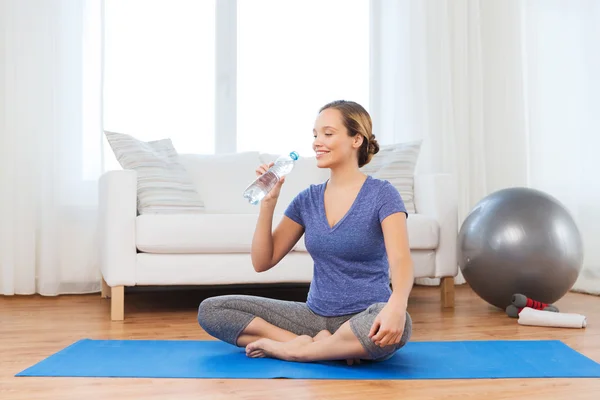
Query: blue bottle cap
point(294, 155)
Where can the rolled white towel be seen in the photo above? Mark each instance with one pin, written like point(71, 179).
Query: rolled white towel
point(530, 316)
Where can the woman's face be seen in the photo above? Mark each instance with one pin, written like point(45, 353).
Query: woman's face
point(332, 144)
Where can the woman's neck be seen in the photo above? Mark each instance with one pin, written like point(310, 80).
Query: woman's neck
point(346, 175)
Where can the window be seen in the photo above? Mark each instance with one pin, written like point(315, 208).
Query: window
point(159, 72)
point(171, 71)
point(293, 58)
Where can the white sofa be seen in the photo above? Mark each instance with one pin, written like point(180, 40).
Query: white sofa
point(213, 247)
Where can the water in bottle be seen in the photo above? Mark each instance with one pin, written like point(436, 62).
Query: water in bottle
point(267, 181)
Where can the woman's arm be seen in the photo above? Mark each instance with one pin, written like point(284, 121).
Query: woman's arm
point(269, 248)
point(388, 326)
point(395, 234)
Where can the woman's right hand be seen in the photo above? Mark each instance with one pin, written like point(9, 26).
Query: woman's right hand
point(274, 193)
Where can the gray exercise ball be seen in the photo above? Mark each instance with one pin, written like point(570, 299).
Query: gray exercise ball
point(520, 240)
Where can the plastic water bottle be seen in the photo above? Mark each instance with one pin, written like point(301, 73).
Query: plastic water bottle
point(267, 181)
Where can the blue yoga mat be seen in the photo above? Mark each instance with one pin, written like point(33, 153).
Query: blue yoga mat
point(214, 359)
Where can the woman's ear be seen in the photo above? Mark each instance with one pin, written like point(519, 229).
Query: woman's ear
point(358, 141)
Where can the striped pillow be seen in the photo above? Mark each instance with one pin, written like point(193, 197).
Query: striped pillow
point(396, 164)
point(163, 184)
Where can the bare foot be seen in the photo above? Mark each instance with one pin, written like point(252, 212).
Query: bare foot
point(273, 349)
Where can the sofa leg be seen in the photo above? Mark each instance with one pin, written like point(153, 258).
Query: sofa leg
point(105, 293)
point(117, 303)
point(447, 291)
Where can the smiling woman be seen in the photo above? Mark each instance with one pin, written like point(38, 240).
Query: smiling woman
point(355, 230)
point(341, 121)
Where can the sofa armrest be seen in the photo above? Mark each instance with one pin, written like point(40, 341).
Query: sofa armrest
point(435, 195)
point(117, 213)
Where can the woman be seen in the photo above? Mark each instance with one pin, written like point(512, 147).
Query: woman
point(355, 231)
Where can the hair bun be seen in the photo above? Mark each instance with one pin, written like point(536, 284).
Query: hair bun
point(373, 145)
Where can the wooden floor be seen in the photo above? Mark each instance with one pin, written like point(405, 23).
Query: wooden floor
point(32, 328)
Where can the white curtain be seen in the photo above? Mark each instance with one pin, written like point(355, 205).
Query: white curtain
point(563, 100)
point(504, 93)
point(50, 143)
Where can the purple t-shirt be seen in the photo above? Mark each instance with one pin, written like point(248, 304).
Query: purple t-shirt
point(351, 269)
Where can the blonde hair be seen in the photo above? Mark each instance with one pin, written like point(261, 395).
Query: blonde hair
point(358, 122)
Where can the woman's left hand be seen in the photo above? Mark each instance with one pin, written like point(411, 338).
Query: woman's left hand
point(388, 326)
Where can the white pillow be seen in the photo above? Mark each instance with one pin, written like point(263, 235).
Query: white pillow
point(221, 179)
point(163, 184)
point(396, 164)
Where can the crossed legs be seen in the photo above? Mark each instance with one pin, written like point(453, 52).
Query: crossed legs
point(291, 331)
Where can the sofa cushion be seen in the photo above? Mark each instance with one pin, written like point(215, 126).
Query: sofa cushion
point(196, 234)
point(232, 233)
point(219, 269)
point(163, 184)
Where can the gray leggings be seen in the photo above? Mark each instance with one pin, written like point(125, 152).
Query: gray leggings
point(225, 317)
